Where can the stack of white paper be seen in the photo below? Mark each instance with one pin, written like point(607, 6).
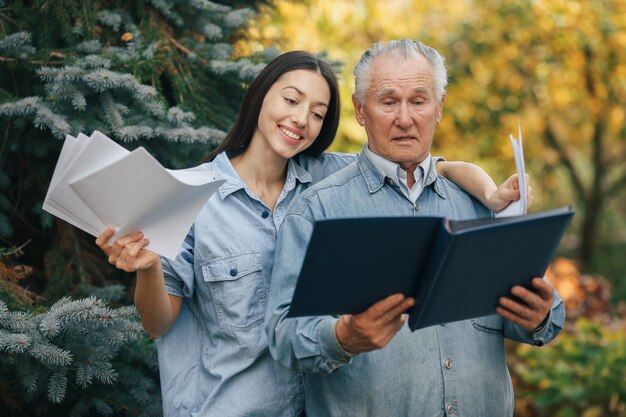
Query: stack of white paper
point(98, 183)
point(519, 207)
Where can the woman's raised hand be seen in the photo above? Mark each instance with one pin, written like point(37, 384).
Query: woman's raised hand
point(508, 192)
point(128, 252)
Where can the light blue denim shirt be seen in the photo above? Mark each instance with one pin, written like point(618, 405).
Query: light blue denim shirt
point(456, 369)
point(215, 361)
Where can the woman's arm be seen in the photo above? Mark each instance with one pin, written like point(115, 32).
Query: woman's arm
point(479, 184)
point(158, 309)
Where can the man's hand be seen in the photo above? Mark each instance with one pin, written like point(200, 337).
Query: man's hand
point(375, 327)
point(535, 307)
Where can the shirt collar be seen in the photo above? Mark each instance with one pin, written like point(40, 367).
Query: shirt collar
point(233, 183)
point(375, 176)
point(392, 169)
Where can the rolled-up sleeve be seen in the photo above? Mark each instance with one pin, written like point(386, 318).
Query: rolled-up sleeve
point(179, 272)
point(303, 343)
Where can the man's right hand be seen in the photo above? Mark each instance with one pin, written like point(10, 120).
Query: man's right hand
point(375, 327)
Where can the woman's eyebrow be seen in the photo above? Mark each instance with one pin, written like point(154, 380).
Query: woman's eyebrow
point(319, 103)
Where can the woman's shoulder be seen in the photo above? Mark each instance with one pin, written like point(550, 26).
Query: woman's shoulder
point(325, 164)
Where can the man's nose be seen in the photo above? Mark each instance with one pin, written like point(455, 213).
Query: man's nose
point(403, 117)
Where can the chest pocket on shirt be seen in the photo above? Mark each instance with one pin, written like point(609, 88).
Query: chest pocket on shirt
point(489, 324)
point(238, 290)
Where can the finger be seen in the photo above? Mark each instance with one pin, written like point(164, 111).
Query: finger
point(134, 248)
point(384, 306)
point(513, 182)
point(528, 297)
point(129, 238)
point(121, 242)
point(121, 261)
point(397, 311)
point(519, 309)
point(515, 318)
point(544, 287)
point(103, 239)
point(394, 327)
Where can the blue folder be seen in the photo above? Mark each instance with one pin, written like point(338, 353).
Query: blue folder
point(455, 270)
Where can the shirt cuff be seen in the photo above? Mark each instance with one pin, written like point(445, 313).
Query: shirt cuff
point(541, 333)
point(335, 356)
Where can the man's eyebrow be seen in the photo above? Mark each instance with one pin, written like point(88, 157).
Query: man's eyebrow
point(421, 90)
point(391, 90)
point(385, 92)
point(319, 103)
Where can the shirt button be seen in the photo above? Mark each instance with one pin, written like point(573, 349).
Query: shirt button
point(265, 214)
point(233, 272)
point(448, 363)
point(450, 408)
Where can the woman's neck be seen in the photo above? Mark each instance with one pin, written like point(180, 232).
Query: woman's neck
point(264, 173)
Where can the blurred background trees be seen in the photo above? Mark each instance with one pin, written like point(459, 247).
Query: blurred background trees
point(169, 74)
point(555, 67)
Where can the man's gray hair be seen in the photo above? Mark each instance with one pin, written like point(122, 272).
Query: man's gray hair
point(405, 48)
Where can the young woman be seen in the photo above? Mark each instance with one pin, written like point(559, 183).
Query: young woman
point(207, 306)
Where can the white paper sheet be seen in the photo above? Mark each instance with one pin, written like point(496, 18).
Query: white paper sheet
point(518, 207)
point(98, 183)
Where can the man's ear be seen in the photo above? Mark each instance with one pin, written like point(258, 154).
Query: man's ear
point(358, 110)
point(440, 110)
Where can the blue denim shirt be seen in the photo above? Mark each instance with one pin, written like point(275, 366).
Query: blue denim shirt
point(215, 361)
point(456, 369)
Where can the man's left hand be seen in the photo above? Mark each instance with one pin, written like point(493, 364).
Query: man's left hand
point(535, 305)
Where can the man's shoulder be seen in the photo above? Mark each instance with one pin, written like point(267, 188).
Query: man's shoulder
point(462, 203)
point(325, 164)
point(327, 189)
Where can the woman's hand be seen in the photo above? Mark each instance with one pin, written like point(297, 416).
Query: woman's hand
point(508, 192)
point(128, 252)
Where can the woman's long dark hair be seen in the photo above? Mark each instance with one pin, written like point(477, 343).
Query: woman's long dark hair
point(240, 135)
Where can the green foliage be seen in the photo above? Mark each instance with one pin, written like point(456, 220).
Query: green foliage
point(580, 374)
point(163, 74)
point(66, 355)
point(555, 66)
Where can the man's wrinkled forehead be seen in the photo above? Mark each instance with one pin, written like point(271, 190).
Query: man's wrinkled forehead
point(388, 72)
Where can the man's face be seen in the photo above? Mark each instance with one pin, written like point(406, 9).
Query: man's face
point(400, 112)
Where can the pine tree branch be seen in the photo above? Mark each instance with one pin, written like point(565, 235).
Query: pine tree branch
point(185, 50)
point(15, 250)
point(33, 62)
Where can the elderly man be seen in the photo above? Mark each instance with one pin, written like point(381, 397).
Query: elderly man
point(371, 364)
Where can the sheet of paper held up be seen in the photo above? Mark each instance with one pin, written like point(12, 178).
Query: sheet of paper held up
point(519, 207)
point(98, 183)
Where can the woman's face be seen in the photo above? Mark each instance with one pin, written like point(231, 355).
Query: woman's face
point(293, 112)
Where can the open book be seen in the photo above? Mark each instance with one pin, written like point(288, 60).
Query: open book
point(98, 183)
point(455, 270)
